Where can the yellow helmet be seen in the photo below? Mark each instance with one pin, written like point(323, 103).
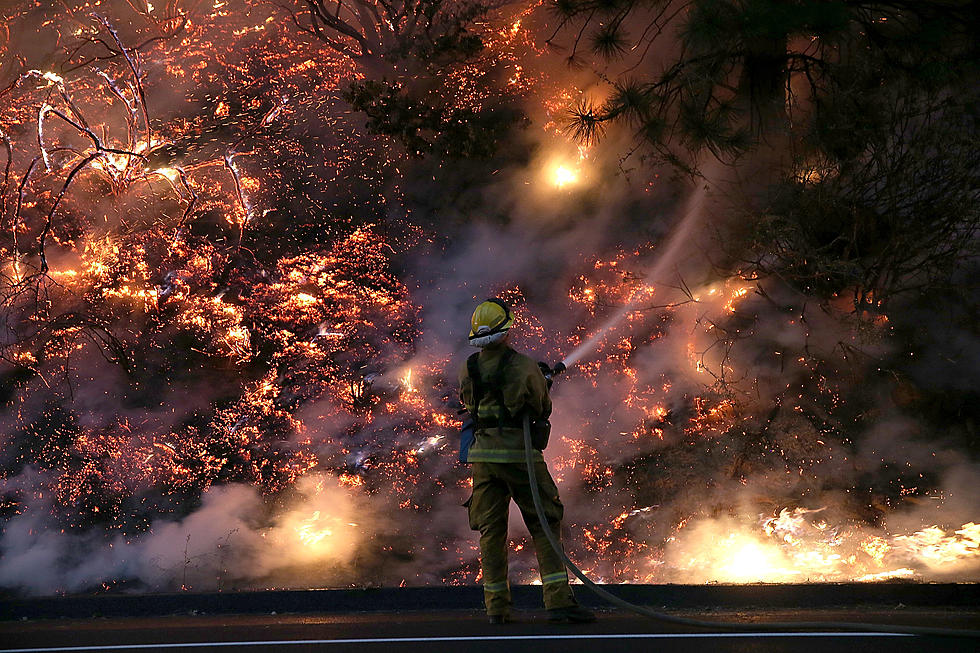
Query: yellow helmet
point(490, 322)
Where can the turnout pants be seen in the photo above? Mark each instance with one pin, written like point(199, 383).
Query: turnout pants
point(494, 485)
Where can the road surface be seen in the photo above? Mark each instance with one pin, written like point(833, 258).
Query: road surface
point(466, 630)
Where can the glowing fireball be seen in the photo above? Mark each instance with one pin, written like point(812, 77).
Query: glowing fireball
point(564, 176)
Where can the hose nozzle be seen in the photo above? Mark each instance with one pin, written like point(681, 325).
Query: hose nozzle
point(551, 372)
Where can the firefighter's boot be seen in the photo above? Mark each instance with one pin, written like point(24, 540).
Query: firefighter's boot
point(572, 614)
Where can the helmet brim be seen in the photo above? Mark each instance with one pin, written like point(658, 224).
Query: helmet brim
point(485, 339)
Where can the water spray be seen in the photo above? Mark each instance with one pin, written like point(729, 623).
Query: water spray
point(681, 234)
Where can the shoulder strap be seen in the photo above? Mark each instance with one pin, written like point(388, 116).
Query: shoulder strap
point(497, 385)
point(473, 369)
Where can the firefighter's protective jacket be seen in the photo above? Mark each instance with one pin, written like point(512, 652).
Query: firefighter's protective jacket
point(523, 388)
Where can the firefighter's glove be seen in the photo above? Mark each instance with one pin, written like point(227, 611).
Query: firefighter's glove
point(546, 371)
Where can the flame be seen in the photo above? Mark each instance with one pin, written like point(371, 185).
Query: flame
point(170, 173)
point(750, 561)
point(563, 176)
point(311, 532)
point(937, 550)
point(796, 545)
point(305, 299)
point(895, 574)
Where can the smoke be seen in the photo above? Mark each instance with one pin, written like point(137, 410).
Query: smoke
point(235, 539)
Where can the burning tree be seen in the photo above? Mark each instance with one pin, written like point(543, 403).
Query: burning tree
point(134, 237)
point(861, 111)
point(406, 52)
point(411, 31)
point(747, 66)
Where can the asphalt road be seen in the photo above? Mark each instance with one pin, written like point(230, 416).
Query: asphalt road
point(467, 630)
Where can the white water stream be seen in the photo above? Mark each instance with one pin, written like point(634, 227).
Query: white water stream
point(693, 212)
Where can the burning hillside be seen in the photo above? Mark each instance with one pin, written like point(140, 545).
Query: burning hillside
point(237, 259)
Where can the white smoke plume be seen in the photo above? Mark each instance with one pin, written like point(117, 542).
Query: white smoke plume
point(234, 539)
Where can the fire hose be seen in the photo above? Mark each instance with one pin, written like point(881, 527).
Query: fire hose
point(701, 623)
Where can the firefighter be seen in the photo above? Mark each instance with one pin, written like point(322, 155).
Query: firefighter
point(498, 386)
